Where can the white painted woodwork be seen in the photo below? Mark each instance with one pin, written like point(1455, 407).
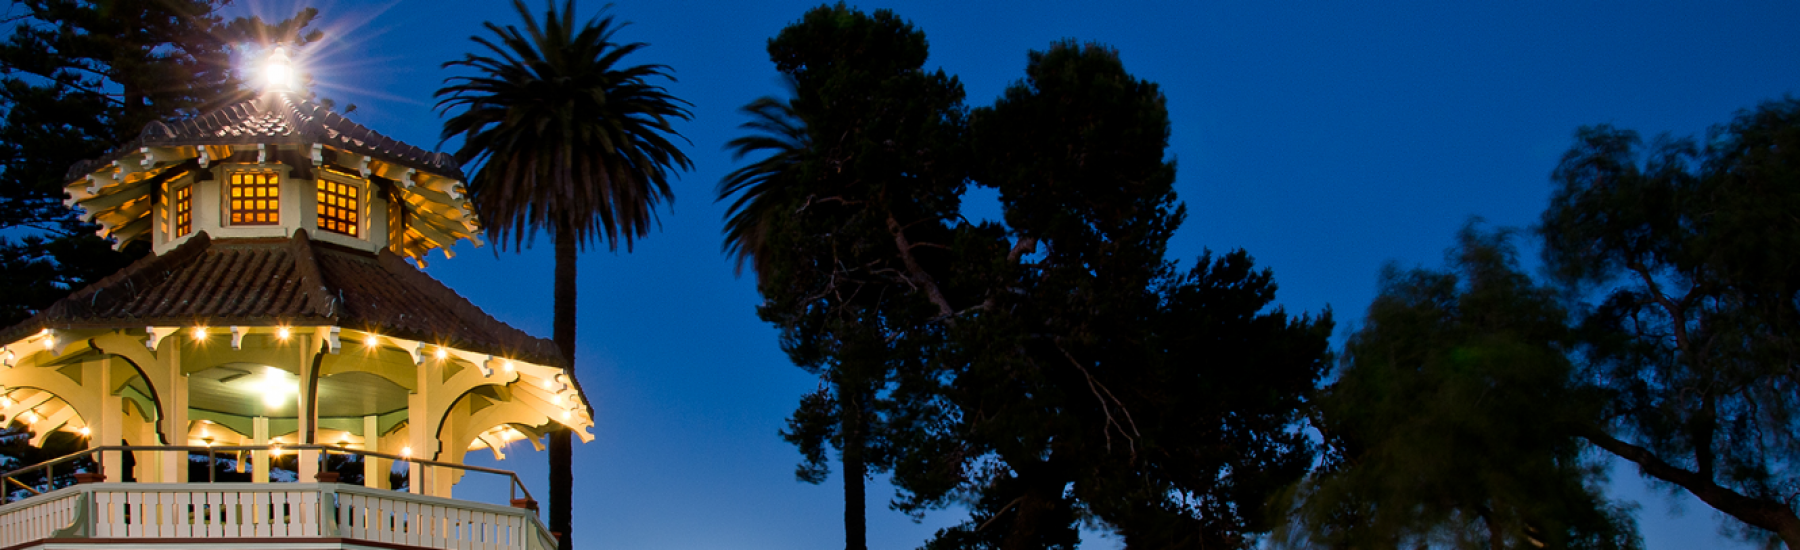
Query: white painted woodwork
point(284, 510)
point(37, 518)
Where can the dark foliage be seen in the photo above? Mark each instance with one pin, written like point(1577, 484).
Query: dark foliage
point(1693, 252)
point(78, 78)
point(1452, 419)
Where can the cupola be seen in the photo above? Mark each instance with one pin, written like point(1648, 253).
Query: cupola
point(269, 166)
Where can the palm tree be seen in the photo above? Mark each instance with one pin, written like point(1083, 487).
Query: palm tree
point(842, 413)
point(569, 142)
point(764, 186)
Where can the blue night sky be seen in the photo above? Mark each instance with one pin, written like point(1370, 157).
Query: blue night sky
point(1326, 138)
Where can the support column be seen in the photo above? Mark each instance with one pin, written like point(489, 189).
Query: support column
point(259, 459)
point(421, 427)
point(308, 468)
point(175, 411)
point(109, 430)
point(375, 470)
point(417, 431)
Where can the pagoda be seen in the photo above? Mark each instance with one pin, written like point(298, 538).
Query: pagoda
point(278, 371)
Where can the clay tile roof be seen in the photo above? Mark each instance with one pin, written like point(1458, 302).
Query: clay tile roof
point(267, 282)
point(277, 118)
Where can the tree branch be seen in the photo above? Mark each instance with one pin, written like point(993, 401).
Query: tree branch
point(1766, 514)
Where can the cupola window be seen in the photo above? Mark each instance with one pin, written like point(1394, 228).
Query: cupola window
point(184, 210)
point(255, 198)
point(340, 207)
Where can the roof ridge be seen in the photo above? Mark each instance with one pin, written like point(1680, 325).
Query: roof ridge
point(461, 305)
point(319, 300)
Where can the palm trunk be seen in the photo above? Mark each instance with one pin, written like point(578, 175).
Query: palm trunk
point(562, 476)
point(856, 471)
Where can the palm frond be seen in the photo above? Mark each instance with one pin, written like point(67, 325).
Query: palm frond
point(562, 137)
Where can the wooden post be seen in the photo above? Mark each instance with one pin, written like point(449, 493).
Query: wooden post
point(110, 430)
point(259, 459)
point(175, 409)
point(375, 470)
point(308, 468)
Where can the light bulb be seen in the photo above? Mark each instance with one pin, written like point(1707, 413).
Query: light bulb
point(371, 341)
point(84, 431)
point(441, 354)
point(281, 333)
point(200, 333)
point(509, 365)
point(277, 72)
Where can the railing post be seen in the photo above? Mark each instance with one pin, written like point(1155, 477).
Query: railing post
point(328, 510)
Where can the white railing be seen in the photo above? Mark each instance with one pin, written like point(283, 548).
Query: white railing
point(246, 510)
point(20, 523)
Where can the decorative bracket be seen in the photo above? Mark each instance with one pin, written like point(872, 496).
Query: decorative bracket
point(332, 338)
point(418, 354)
point(157, 334)
point(318, 154)
point(237, 337)
point(262, 153)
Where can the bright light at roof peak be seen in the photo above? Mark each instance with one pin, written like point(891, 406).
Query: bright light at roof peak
point(278, 72)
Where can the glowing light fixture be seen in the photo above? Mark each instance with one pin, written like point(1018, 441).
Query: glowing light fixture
point(282, 333)
point(442, 353)
point(199, 333)
point(371, 341)
point(278, 72)
point(84, 431)
point(275, 389)
point(509, 365)
point(406, 452)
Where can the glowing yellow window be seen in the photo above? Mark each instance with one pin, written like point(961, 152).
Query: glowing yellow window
point(255, 198)
point(339, 207)
point(184, 210)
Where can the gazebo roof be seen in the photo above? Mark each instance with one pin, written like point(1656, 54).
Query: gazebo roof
point(271, 282)
point(276, 118)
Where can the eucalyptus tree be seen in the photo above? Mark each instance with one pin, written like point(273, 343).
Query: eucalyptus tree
point(1693, 252)
point(568, 140)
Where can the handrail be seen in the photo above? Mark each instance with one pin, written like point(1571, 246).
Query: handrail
point(48, 466)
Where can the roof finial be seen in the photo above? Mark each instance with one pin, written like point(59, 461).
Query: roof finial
point(278, 72)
